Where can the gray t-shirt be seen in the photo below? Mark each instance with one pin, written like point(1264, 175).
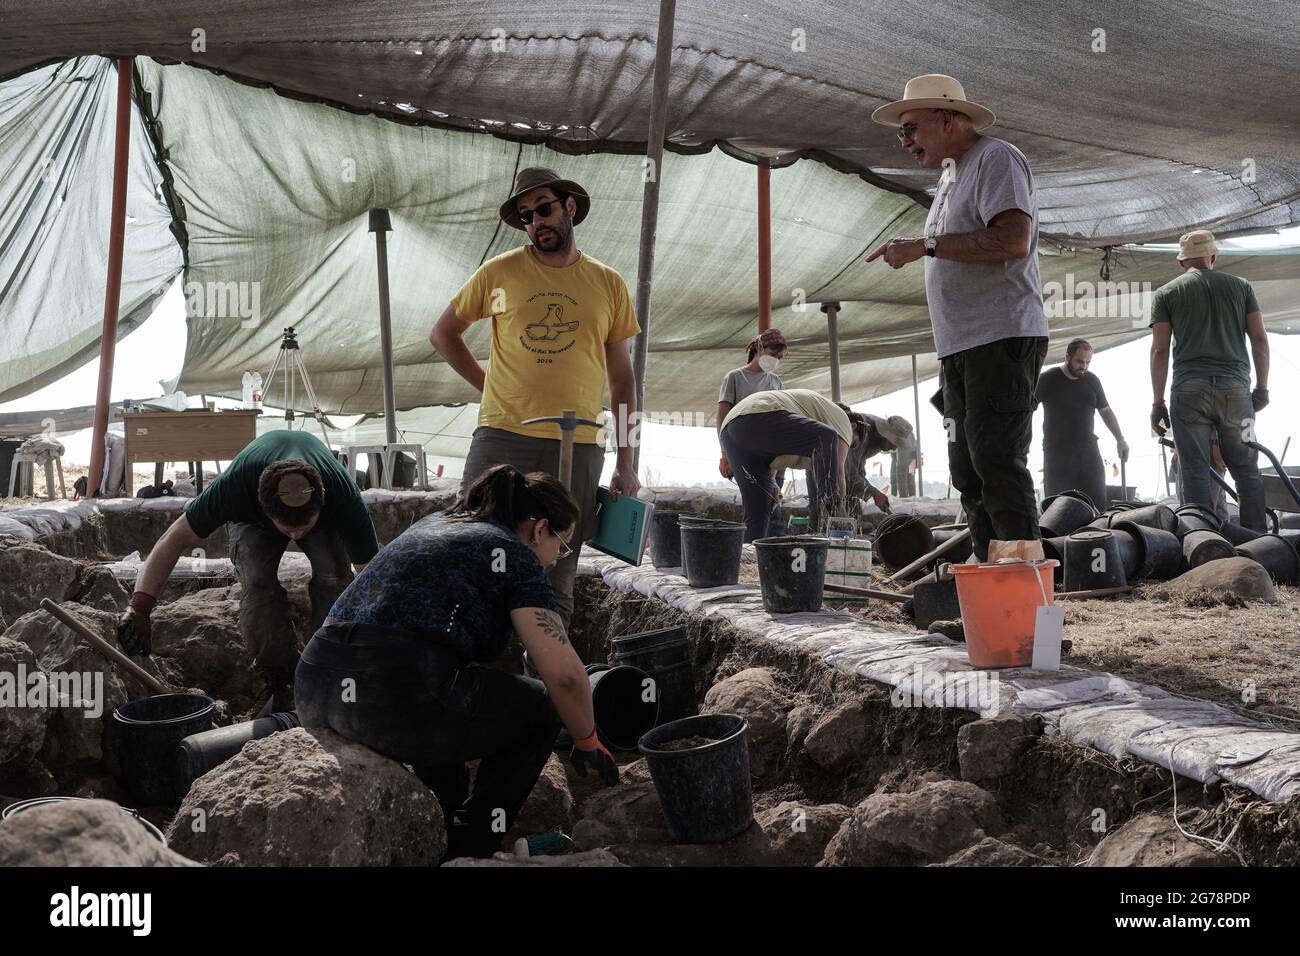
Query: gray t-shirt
point(741, 383)
point(975, 303)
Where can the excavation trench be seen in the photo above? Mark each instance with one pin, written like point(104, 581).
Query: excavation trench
point(1057, 799)
point(823, 741)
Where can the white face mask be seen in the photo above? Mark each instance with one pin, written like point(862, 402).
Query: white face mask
point(768, 363)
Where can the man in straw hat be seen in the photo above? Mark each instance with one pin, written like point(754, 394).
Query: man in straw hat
point(560, 326)
point(985, 298)
point(1210, 315)
point(284, 486)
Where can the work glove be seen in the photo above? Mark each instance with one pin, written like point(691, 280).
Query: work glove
point(589, 752)
point(134, 631)
point(1159, 418)
point(1259, 399)
point(724, 468)
point(1122, 447)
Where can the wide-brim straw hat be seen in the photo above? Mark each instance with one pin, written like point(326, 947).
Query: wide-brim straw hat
point(535, 177)
point(937, 92)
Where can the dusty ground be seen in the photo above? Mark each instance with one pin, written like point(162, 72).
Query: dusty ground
point(141, 475)
point(1217, 653)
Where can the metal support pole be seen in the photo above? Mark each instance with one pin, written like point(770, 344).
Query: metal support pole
point(650, 217)
point(832, 310)
point(113, 282)
point(380, 225)
point(765, 248)
point(916, 411)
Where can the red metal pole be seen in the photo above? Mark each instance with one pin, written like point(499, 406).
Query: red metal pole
point(113, 283)
point(764, 248)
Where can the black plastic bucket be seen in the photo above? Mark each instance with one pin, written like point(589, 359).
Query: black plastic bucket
point(685, 520)
point(625, 703)
point(1148, 516)
point(958, 553)
point(1237, 534)
point(1054, 548)
point(1101, 522)
point(1093, 560)
point(1195, 518)
point(705, 791)
point(199, 753)
point(792, 572)
point(1130, 552)
point(144, 736)
point(1065, 513)
point(1200, 547)
point(711, 553)
point(1161, 552)
point(665, 657)
point(665, 540)
point(23, 805)
point(1275, 554)
point(901, 539)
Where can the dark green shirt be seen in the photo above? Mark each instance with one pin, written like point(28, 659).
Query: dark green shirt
point(233, 495)
point(1207, 311)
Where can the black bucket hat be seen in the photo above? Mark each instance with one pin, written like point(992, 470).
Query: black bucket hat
point(534, 177)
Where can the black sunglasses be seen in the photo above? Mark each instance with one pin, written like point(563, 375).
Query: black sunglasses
point(541, 209)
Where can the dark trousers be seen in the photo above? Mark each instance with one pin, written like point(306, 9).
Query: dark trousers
point(264, 607)
point(752, 441)
point(405, 697)
point(988, 408)
point(496, 446)
point(1198, 409)
point(1076, 467)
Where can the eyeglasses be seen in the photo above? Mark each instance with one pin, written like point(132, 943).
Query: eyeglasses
point(542, 209)
point(906, 132)
point(565, 550)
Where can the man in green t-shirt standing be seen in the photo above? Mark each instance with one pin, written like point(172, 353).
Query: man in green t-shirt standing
point(1210, 316)
point(284, 486)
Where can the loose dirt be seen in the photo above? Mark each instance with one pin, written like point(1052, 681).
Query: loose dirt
point(686, 743)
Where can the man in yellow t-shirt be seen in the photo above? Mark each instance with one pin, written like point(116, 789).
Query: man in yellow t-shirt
point(561, 322)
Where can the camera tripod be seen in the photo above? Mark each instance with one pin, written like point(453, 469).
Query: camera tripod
point(289, 359)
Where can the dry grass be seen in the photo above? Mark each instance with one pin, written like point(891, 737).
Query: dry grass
point(1197, 646)
point(1211, 646)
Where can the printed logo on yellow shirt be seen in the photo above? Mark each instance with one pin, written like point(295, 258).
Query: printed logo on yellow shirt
point(550, 326)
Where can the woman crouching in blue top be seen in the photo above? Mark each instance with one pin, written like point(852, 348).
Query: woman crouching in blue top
point(398, 664)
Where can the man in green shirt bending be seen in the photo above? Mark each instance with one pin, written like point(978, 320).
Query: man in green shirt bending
point(1210, 316)
point(284, 486)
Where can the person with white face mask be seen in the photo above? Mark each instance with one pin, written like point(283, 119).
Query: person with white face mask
point(758, 375)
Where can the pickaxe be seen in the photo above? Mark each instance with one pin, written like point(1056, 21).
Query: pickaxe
point(568, 421)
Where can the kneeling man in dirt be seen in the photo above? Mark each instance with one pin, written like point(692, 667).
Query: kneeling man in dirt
point(284, 486)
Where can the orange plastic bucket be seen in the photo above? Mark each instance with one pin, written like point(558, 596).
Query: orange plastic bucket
point(997, 610)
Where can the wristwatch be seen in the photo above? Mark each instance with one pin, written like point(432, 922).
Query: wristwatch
point(931, 244)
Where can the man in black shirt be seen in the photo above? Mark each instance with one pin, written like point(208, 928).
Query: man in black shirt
point(1070, 394)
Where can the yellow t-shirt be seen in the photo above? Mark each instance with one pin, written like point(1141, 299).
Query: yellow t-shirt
point(549, 332)
point(797, 401)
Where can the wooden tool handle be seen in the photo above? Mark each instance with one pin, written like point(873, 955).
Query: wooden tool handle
point(110, 652)
point(867, 592)
point(927, 558)
point(1098, 593)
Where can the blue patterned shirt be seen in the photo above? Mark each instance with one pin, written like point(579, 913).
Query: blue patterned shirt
point(457, 581)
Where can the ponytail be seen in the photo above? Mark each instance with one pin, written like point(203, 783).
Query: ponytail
point(507, 495)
